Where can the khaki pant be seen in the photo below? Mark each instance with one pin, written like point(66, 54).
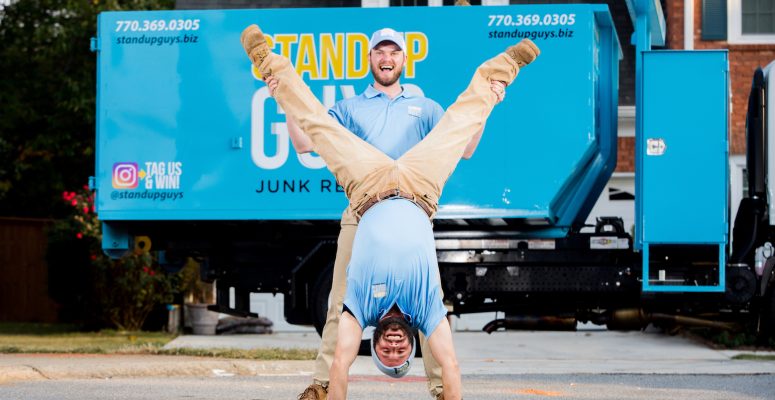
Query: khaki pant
point(364, 171)
point(336, 298)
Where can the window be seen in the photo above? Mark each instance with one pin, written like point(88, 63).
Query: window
point(751, 21)
point(758, 17)
point(405, 3)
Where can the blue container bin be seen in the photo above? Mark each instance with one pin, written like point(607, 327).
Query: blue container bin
point(186, 130)
point(683, 176)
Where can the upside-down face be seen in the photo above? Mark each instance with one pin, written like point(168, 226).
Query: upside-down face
point(393, 341)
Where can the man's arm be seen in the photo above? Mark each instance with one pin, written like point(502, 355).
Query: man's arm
point(443, 351)
point(301, 142)
point(499, 88)
point(348, 341)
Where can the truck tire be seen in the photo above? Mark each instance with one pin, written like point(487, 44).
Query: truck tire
point(767, 317)
point(319, 298)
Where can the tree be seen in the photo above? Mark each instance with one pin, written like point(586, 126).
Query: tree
point(47, 100)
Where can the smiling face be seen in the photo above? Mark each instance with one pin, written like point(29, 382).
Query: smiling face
point(387, 61)
point(393, 341)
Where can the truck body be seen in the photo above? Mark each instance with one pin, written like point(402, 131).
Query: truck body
point(193, 156)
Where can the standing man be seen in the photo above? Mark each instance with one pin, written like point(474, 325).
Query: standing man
point(392, 120)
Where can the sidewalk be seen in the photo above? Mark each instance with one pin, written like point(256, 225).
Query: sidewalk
point(28, 367)
point(502, 353)
point(281, 340)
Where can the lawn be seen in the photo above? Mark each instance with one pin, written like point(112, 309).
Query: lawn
point(50, 338)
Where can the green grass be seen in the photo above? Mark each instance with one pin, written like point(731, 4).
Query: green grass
point(66, 339)
point(51, 338)
point(730, 340)
point(755, 357)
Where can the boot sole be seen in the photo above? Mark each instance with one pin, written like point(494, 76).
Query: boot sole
point(526, 51)
point(248, 41)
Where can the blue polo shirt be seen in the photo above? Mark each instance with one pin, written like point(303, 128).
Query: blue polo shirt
point(391, 125)
point(394, 262)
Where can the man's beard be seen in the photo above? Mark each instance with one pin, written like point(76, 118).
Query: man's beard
point(392, 322)
point(375, 71)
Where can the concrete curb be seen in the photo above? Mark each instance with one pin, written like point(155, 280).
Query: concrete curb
point(18, 373)
point(502, 353)
point(31, 367)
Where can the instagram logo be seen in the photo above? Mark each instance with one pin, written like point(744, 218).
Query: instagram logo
point(124, 175)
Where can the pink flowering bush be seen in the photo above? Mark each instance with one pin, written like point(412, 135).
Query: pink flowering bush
point(123, 291)
point(83, 218)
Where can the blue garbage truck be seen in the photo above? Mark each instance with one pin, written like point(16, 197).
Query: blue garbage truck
point(193, 156)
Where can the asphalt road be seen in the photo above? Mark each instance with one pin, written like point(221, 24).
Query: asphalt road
point(485, 387)
point(505, 365)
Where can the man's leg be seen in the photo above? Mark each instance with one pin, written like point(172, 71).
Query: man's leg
point(336, 298)
point(424, 169)
point(347, 156)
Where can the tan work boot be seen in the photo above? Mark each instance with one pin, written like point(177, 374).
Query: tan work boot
point(314, 392)
point(254, 43)
point(523, 52)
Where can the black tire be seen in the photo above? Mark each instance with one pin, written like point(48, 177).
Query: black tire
point(767, 316)
point(365, 349)
point(319, 298)
point(319, 305)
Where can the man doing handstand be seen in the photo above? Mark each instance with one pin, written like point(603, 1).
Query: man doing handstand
point(393, 273)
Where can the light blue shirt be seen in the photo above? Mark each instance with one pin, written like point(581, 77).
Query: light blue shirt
point(394, 262)
point(391, 125)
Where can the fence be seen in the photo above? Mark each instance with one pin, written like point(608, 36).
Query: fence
point(23, 271)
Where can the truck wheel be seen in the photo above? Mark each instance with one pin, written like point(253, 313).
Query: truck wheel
point(767, 318)
point(319, 298)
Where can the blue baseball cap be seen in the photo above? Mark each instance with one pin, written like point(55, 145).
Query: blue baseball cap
point(387, 34)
